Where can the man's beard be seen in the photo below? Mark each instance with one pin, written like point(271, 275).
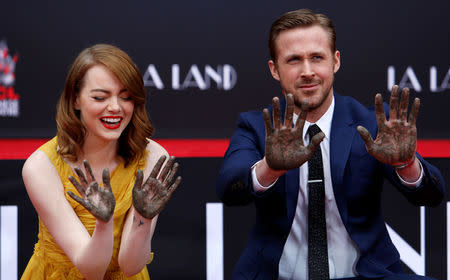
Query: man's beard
point(312, 106)
point(323, 95)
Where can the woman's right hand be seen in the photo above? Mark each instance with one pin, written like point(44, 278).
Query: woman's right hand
point(100, 202)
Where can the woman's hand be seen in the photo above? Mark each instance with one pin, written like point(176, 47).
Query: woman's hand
point(152, 196)
point(100, 202)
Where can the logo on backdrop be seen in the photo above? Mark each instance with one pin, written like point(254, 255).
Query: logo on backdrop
point(438, 78)
point(9, 99)
point(221, 77)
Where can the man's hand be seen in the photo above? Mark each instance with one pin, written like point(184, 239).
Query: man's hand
point(284, 144)
point(397, 138)
point(151, 197)
point(100, 202)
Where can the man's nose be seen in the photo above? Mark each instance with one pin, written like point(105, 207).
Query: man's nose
point(307, 70)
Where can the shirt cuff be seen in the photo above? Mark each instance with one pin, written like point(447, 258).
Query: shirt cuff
point(256, 185)
point(412, 184)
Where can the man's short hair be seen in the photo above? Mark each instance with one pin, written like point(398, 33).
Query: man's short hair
point(300, 18)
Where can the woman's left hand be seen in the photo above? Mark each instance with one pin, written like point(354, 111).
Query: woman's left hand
point(151, 197)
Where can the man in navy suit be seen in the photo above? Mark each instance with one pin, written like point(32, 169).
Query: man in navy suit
point(268, 157)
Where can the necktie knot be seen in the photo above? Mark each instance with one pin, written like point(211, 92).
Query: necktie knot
point(313, 130)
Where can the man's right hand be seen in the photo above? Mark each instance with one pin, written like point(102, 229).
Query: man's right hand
point(284, 144)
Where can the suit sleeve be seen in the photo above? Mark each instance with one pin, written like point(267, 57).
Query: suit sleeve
point(430, 192)
point(432, 188)
point(234, 183)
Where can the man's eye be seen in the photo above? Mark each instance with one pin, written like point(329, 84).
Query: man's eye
point(317, 57)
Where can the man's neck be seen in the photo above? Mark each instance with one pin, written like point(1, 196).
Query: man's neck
point(314, 115)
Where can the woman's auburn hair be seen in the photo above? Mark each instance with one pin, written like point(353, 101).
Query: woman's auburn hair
point(71, 131)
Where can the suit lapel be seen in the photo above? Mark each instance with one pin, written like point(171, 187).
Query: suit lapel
point(342, 132)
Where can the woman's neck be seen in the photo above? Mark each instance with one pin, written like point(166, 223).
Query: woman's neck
point(99, 153)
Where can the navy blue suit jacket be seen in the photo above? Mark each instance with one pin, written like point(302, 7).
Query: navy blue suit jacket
point(357, 183)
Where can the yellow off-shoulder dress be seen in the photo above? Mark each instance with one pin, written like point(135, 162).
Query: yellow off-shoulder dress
point(49, 261)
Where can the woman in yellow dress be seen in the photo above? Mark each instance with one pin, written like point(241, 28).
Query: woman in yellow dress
point(89, 230)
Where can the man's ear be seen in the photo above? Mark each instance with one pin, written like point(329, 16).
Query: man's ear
point(337, 61)
point(274, 70)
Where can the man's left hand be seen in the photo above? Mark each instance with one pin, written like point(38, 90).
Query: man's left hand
point(397, 137)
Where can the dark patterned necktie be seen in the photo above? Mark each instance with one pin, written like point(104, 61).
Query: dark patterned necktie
point(317, 228)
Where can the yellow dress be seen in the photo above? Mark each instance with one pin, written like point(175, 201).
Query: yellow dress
point(49, 261)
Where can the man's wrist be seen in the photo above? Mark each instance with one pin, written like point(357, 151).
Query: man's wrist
point(405, 165)
point(410, 172)
point(410, 182)
point(265, 175)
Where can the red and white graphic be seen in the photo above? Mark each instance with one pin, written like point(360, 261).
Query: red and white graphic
point(9, 99)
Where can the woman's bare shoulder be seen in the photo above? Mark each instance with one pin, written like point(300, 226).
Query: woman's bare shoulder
point(156, 150)
point(38, 163)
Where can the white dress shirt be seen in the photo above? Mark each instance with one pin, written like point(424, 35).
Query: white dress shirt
point(343, 253)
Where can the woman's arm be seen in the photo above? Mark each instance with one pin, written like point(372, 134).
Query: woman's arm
point(149, 198)
point(90, 255)
point(135, 246)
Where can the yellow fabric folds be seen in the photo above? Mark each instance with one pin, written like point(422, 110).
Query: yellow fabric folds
point(49, 261)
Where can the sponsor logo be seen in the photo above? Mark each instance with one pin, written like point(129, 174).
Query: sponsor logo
point(222, 77)
point(9, 99)
point(411, 80)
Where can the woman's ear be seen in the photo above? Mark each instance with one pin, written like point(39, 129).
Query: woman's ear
point(77, 105)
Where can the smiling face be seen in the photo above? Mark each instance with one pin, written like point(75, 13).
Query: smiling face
point(105, 105)
point(305, 67)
